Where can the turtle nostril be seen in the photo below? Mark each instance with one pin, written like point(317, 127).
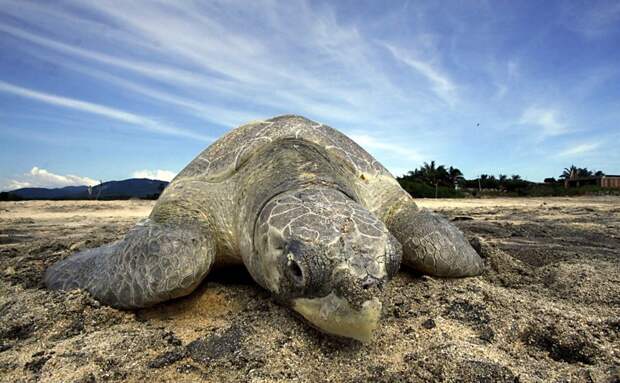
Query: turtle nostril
point(295, 271)
point(369, 282)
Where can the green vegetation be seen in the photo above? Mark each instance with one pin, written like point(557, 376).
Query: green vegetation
point(6, 196)
point(422, 190)
point(575, 172)
point(439, 181)
point(433, 181)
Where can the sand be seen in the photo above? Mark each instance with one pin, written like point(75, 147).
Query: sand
point(546, 309)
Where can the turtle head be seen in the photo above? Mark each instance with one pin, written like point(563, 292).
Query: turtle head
point(327, 257)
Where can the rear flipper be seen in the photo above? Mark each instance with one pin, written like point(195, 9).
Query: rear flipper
point(153, 263)
point(433, 245)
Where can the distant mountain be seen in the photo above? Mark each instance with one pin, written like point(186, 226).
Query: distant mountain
point(68, 192)
point(142, 188)
point(132, 188)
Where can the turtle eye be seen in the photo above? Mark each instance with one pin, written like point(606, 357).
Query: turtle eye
point(295, 272)
point(294, 263)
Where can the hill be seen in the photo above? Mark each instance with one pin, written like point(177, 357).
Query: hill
point(141, 188)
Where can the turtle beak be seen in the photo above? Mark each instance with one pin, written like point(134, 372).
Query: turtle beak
point(334, 315)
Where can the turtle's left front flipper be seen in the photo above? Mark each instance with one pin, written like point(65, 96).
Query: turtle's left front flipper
point(153, 263)
point(433, 245)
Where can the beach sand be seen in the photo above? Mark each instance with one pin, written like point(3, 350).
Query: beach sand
point(546, 309)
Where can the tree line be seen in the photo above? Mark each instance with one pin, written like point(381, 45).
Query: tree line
point(432, 180)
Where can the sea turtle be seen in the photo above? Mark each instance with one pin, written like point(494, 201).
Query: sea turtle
point(314, 218)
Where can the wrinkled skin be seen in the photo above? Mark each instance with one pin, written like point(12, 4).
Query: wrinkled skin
point(314, 218)
point(316, 243)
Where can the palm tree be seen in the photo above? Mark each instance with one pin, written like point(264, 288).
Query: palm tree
point(429, 172)
point(434, 174)
point(482, 181)
point(569, 173)
point(575, 172)
point(502, 178)
point(443, 176)
point(456, 176)
point(584, 172)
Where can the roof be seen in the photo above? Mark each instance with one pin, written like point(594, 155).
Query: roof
point(589, 178)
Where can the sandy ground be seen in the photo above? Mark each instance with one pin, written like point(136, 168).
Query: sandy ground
point(546, 309)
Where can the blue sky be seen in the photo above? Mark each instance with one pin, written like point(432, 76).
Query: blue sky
point(103, 90)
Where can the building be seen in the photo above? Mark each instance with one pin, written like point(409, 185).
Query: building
point(606, 181)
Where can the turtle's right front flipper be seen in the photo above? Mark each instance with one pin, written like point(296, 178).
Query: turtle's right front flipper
point(432, 245)
point(153, 263)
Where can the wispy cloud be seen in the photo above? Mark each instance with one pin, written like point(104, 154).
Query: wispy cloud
point(333, 73)
point(153, 70)
point(513, 69)
point(158, 174)
point(222, 116)
point(505, 77)
point(409, 73)
point(579, 149)
point(441, 83)
point(546, 119)
point(100, 110)
point(596, 20)
point(374, 144)
point(38, 177)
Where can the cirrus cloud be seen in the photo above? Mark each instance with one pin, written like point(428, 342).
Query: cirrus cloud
point(579, 150)
point(547, 120)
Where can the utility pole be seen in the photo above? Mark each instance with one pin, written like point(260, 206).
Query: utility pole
point(99, 190)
